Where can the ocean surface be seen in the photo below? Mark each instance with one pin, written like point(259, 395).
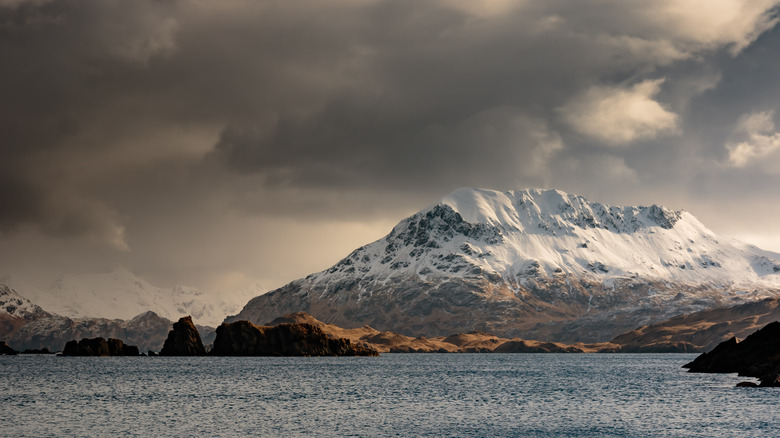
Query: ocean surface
point(392, 395)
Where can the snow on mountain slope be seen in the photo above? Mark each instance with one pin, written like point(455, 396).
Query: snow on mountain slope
point(567, 233)
point(17, 306)
point(120, 294)
point(16, 311)
point(530, 262)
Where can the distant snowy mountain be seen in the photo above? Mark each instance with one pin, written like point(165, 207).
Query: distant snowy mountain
point(147, 331)
point(120, 294)
point(17, 306)
point(540, 264)
point(16, 310)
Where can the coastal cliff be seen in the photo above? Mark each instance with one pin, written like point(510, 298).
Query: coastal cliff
point(756, 356)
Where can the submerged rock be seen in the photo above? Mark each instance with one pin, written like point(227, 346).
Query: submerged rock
point(99, 347)
point(183, 340)
point(242, 338)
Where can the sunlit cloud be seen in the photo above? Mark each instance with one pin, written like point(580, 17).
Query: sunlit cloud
point(760, 138)
point(619, 115)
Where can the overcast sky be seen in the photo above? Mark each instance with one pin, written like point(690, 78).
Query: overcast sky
point(222, 143)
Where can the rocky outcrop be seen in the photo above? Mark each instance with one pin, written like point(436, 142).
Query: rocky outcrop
point(36, 351)
point(99, 347)
point(183, 340)
point(757, 356)
point(5, 349)
point(242, 338)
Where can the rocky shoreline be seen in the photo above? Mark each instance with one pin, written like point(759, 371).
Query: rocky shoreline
point(757, 356)
point(300, 334)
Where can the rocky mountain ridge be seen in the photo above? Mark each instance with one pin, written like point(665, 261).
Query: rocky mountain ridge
point(534, 263)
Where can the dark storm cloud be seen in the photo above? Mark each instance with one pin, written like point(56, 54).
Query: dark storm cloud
point(118, 117)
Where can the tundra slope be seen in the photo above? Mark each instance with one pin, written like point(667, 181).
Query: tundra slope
point(540, 264)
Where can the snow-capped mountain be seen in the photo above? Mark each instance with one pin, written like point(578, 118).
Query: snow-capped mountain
point(119, 294)
point(15, 305)
point(541, 264)
point(147, 331)
point(16, 310)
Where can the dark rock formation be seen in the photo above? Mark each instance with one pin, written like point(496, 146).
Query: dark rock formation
point(99, 347)
point(242, 338)
point(747, 385)
point(5, 349)
point(43, 350)
point(757, 356)
point(531, 347)
point(772, 379)
point(183, 340)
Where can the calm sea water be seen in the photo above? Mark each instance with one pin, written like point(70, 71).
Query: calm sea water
point(393, 395)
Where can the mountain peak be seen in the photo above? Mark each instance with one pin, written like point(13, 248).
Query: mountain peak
point(536, 210)
point(529, 261)
point(17, 306)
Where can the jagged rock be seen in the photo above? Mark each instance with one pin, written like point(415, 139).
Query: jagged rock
point(99, 347)
point(183, 340)
point(757, 356)
point(242, 338)
point(5, 349)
